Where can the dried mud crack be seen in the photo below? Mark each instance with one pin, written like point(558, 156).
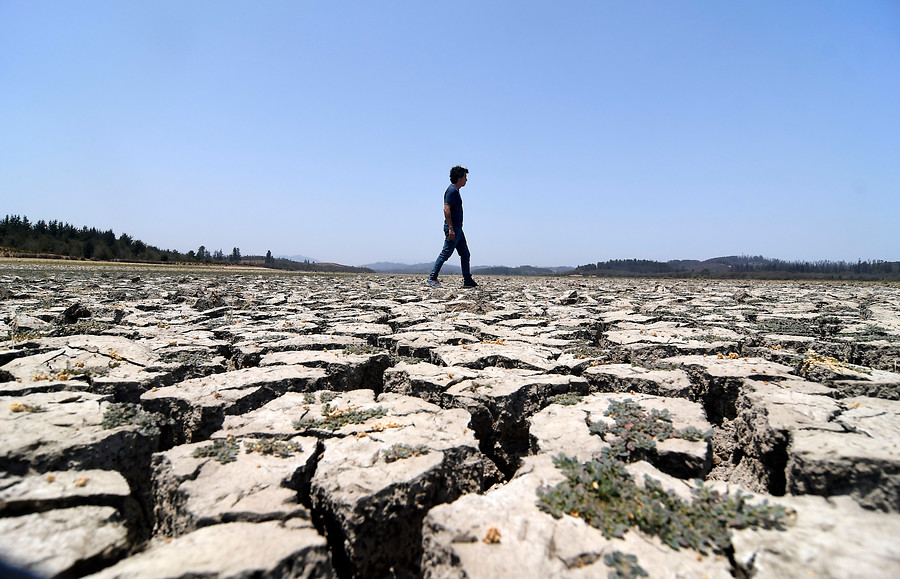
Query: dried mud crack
point(183, 423)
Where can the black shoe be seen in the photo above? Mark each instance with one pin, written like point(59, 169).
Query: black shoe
point(469, 283)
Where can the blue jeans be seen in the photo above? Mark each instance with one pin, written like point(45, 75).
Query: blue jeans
point(459, 244)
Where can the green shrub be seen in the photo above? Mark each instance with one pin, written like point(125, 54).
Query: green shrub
point(360, 350)
point(605, 495)
point(223, 450)
point(278, 448)
point(694, 434)
point(625, 566)
point(125, 413)
point(401, 450)
point(567, 399)
point(635, 431)
point(337, 418)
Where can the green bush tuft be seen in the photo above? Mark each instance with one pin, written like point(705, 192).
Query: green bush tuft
point(605, 495)
point(336, 418)
point(223, 450)
point(401, 450)
point(125, 413)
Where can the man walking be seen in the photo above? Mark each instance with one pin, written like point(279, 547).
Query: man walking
point(454, 238)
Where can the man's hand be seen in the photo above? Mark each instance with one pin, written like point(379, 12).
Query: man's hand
point(451, 235)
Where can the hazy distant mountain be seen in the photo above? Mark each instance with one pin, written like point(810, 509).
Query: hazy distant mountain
point(448, 269)
point(524, 270)
point(392, 267)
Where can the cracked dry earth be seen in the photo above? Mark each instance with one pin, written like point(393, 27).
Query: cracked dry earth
point(199, 423)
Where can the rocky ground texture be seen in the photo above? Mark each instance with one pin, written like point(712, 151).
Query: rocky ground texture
point(195, 423)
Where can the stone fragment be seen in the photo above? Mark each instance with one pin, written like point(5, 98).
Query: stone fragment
point(717, 381)
point(373, 489)
point(64, 542)
point(849, 379)
point(879, 354)
point(656, 340)
point(420, 343)
point(106, 364)
point(533, 544)
point(502, 355)
point(60, 489)
point(424, 380)
point(25, 323)
point(828, 538)
point(769, 414)
point(501, 401)
point(801, 442)
point(564, 428)
point(232, 550)
point(366, 331)
point(194, 491)
point(295, 412)
point(65, 433)
point(669, 381)
point(739, 367)
point(344, 369)
point(198, 406)
point(863, 461)
point(250, 349)
point(75, 312)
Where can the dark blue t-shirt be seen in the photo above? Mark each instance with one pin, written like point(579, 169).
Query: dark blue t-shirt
point(454, 200)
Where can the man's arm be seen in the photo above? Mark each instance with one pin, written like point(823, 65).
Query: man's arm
point(450, 233)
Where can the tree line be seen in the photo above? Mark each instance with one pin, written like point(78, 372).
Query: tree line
point(57, 239)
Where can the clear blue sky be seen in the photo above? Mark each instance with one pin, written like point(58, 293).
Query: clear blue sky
point(592, 130)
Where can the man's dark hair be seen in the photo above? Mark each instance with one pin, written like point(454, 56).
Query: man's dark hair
point(457, 172)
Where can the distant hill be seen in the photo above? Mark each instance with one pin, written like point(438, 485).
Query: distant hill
point(744, 267)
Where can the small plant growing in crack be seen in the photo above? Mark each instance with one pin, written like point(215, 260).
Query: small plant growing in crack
point(360, 350)
point(624, 566)
point(694, 434)
point(327, 396)
point(586, 351)
point(401, 450)
point(565, 399)
point(606, 496)
point(657, 365)
point(278, 448)
point(635, 431)
point(125, 413)
point(223, 450)
point(474, 386)
point(336, 418)
point(396, 359)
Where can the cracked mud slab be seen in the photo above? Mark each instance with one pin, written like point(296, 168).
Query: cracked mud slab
point(798, 380)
